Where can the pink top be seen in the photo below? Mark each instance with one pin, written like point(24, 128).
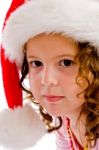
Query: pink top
point(64, 142)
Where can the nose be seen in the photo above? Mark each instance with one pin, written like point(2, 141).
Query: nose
point(49, 77)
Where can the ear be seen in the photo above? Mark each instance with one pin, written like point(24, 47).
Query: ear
point(20, 128)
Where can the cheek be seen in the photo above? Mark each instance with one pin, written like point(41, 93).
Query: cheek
point(68, 79)
point(34, 83)
point(70, 86)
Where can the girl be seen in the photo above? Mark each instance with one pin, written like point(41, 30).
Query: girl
point(60, 56)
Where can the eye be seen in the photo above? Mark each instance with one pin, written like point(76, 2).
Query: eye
point(36, 64)
point(66, 63)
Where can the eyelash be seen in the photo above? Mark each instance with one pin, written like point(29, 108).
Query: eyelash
point(63, 63)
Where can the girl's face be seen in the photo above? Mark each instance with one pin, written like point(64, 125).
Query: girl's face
point(53, 72)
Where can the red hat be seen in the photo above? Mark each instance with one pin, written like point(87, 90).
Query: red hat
point(10, 72)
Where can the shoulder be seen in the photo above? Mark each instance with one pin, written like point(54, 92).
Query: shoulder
point(62, 132)
point(62, 137)
point(97, 145)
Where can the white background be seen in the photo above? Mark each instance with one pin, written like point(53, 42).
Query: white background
point(47, 143)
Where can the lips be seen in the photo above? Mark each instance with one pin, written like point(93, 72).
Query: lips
point(52, 98)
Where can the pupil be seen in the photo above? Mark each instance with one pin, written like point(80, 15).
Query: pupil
point(67, 62)
point(37, 63)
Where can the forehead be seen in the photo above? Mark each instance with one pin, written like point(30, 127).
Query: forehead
point(52, 43)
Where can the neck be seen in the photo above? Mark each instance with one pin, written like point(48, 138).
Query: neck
point(77, 125)
point(74, 116)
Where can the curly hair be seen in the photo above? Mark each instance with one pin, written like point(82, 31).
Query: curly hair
point(89, 63)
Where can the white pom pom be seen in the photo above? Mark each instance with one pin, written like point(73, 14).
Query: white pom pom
point(20, 128)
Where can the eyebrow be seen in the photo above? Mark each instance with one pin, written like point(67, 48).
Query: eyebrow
point(59, 56)
point(31, 56)
point(66, 55)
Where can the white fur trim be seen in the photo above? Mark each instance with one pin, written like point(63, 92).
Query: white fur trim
point(20, 128)
point(75, 18)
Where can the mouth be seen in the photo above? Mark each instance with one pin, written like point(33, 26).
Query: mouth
point(52, 98)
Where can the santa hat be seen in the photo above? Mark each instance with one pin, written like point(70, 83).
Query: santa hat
point(78, 19)
point(20, 126)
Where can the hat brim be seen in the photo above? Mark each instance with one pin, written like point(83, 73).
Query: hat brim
point(78, 19)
